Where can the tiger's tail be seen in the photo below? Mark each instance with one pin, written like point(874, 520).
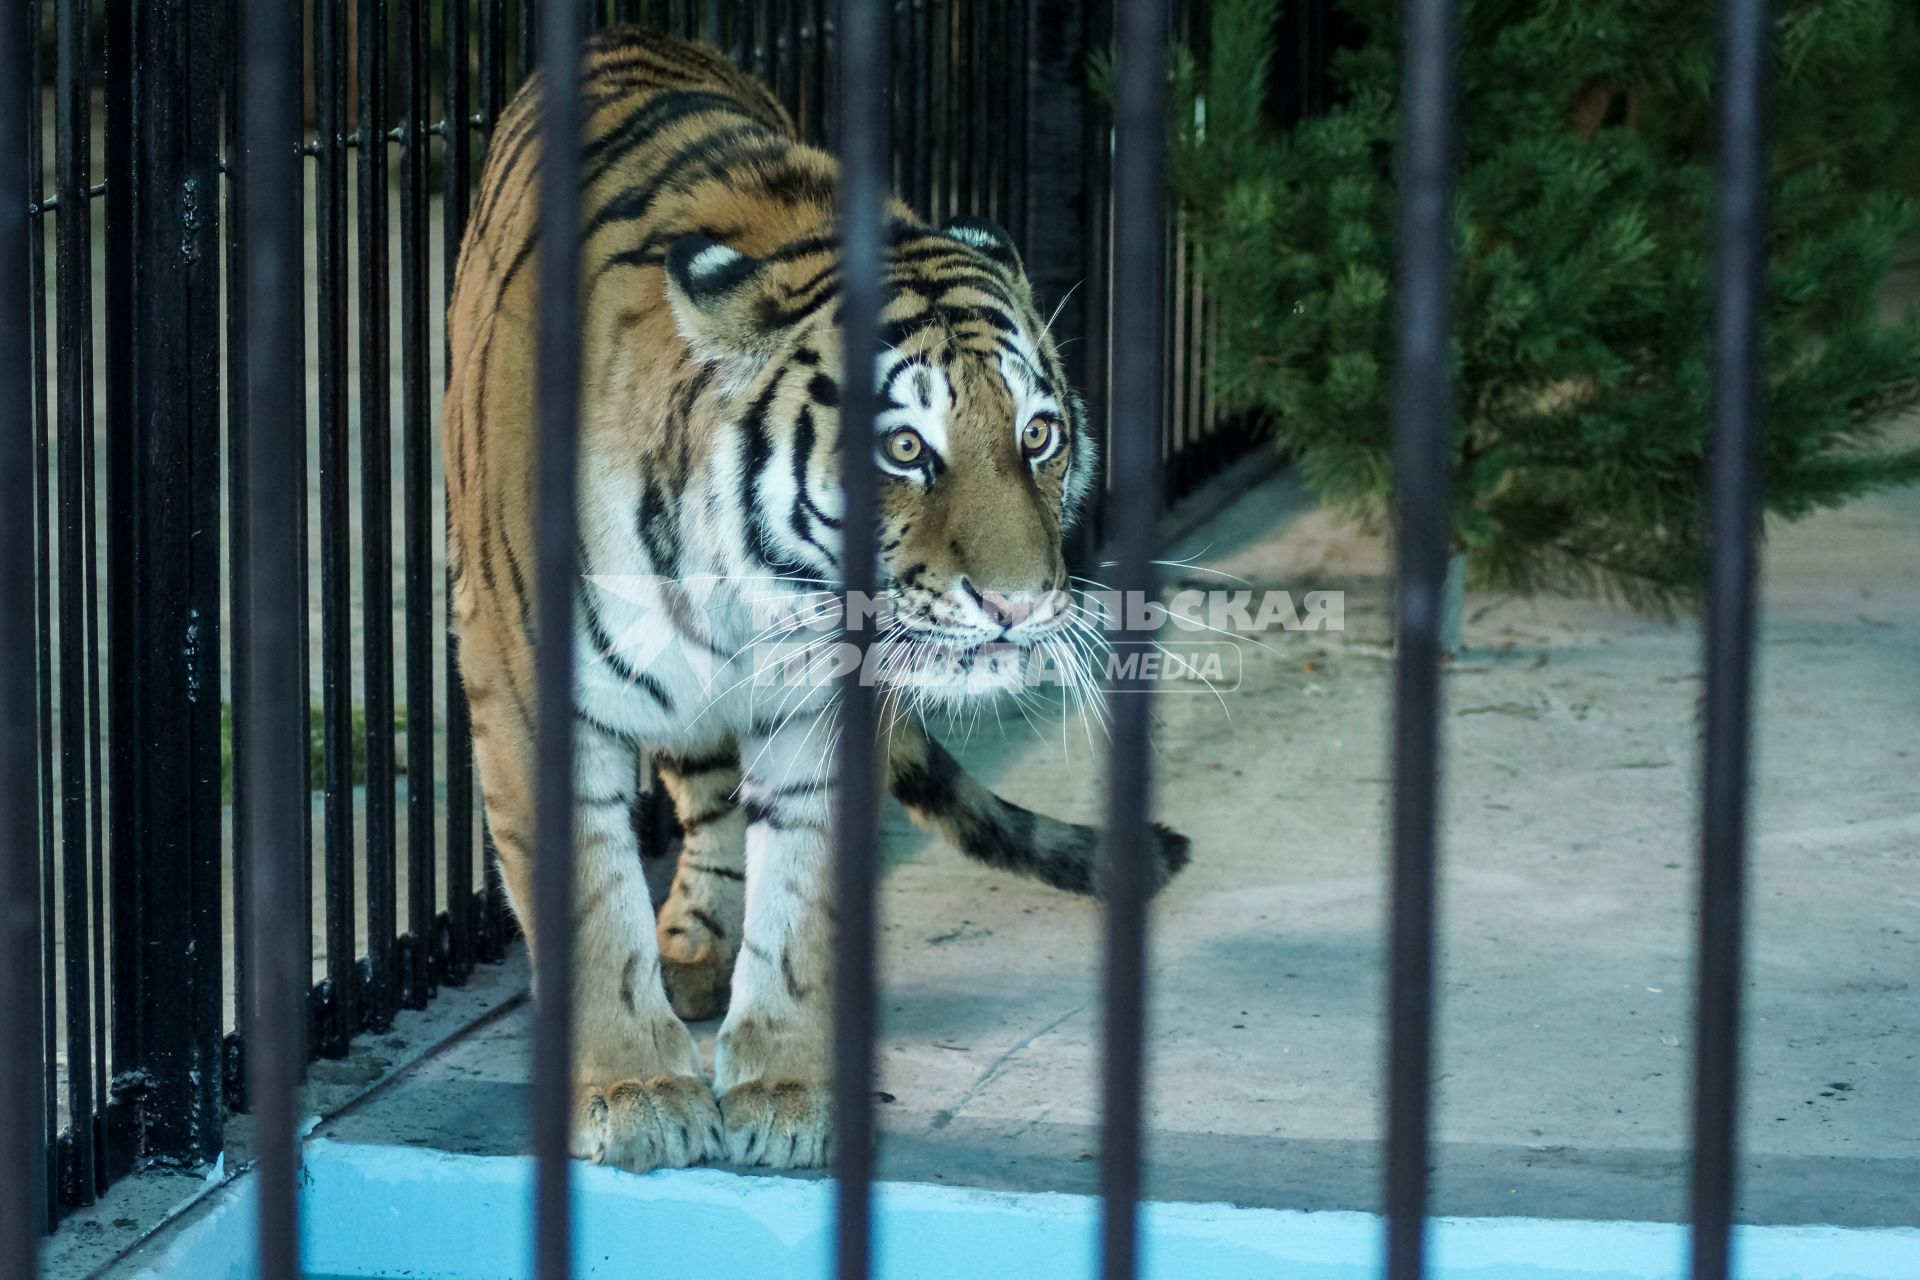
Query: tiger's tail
point(942, 797)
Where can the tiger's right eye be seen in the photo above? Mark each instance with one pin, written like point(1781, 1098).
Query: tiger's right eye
point(904, 448)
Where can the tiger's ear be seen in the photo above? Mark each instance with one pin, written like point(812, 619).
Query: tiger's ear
point(989, 238)
point(714, 291)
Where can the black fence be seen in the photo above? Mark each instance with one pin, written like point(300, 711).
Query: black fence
point(144, 725)
point(111, 844)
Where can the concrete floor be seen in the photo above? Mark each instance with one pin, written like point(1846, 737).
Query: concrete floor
point(1569, 831)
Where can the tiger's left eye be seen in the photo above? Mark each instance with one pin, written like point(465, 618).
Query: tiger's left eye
point(1036, 437)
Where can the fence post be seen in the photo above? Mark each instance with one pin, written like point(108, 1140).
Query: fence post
point(1061, 210)
point(164, 571)
point(22, 1087)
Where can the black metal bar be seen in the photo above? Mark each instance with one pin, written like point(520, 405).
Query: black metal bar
point(74, 297)
point(268, 188)
point(1004, 73)
point(940, 77)
point(966, 91)
point(416, 426)
point(760, 40)
point(341, 1008)
point(457, 171)
point(1174, 381)
point(23, 1087)
point(1139, 234)
point(238, 615)
point(900, 123)
point(1733, 529)
point(739, 34)
point(864, 28)
point(917, 108)
point(979, 97)
point(1065, 59)
point(493, 62)
point(819, 101)
point(376, 518)
point(167, 920)
point(789, 37)
point(557, 379)
point(1422, 414)
point(827, 54)
point(119, 439)
point(96, 778)
point(1019, 92)
point(1058, 219)
point(39, 200)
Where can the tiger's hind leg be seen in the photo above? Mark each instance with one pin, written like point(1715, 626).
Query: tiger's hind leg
point(701, 920)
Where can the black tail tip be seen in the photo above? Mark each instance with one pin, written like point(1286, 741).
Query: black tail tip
point(1172, 851)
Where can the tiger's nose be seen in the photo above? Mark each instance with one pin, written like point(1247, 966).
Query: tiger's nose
point(1006, 609)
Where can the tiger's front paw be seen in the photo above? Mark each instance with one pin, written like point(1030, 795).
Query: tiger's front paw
point(776, 1098)
point(660, 1122)
point(778, 1124)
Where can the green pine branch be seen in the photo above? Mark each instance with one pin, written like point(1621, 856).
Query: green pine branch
point(1580, 344)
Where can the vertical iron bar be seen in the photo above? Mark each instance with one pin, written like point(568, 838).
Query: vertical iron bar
point(1733, 512)
point(1005, 72)
point(966, 90)
point(1021, 104)
point(1065, 133)
point(759, 26)
point(493, 62)
point(119, 346)
point(416, 419)
point(96, 779)
point(43, 554)
point(1096, 259)
point(376, 515)
point(167, 921)
point(1194, 465)
point(827, 52)
point(269, 185)
point(864, 29)
point(1139, 195)
point(22, 1086)
point(980, 86)
point(74, 296)
point(236, 613)
point(918, 107)
point(457, 166)
point(940, 112)
point(1173, 478)
point(342, 1010)
point(820, 129)
point(790, 55)
point(902, 152)
point(557, 379)
point(1423, 416)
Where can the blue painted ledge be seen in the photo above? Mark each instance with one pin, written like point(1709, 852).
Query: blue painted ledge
point(393, 1212)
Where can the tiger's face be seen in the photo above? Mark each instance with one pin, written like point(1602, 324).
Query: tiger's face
point(981, 448)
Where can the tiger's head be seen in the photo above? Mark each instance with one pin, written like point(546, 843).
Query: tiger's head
point(982, 448)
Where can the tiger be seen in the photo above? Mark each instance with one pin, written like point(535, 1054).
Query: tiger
point(708, 486)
